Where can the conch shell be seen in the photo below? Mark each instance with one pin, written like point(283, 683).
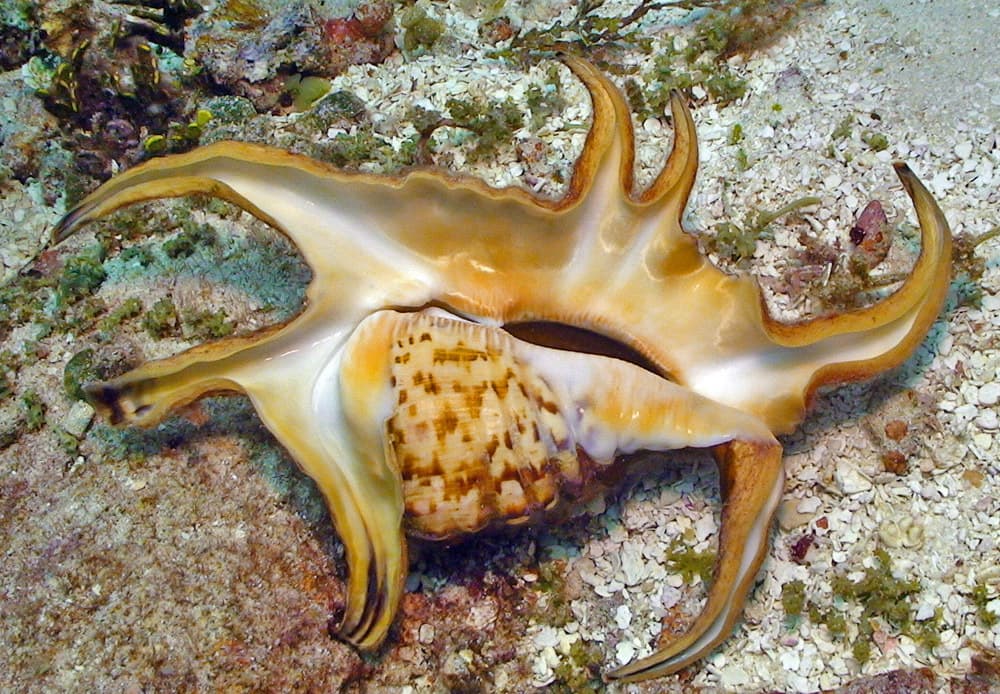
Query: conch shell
point(398, 390)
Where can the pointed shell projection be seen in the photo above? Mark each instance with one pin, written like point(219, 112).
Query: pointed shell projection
point(398, 390)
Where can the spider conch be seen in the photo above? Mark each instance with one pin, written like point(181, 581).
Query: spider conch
point(400, 392)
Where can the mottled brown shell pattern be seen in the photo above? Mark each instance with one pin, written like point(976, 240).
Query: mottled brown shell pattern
point(476, 434)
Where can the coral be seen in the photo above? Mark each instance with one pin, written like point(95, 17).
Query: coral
point(243, 14)
point(250, 52)
point(229, 109)
point(160, 21)
point(20, 35)
point(109, 92)
point(337, 108)
point(61, 96)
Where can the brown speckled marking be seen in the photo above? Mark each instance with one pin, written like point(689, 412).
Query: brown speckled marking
point(473, 450)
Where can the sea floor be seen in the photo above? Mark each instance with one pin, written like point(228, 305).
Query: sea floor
point(196, 557)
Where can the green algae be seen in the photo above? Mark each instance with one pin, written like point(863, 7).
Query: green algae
point(131, 308)
point(579, 671)
point(491, 120)
point(187, 242)
point(689, 563)
point(259, 264)
point(68, 443)
point(981, 599)
point(306, 90)
point(969, 266)
point(877, 142)
point(420, 31)
point(738, 242)
point(886, 602)
point(843, 129)
point(352, 149)
point(161, 320)
point(79, 369)
point(34, 410)
point(793, 598)
point(82, 275)
point(545, 99)
point(207, 325)
point(23, 299)
point(552, 582)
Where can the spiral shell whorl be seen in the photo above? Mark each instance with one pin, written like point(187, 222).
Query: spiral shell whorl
point(477, 436)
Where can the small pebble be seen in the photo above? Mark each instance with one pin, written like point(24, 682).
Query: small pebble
point(850, 480)
point(989, 394)
point(669, 597)
point(983, 441)
point(944, 347)
point(733, 676)
point(790, 660)
point(624, 652)
point(966, 413)
point(988, 421)
point(546, 637)
point(78, 419)
point(426, 635)
point(789, 517)
point(896, 429)
point(623, 616)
